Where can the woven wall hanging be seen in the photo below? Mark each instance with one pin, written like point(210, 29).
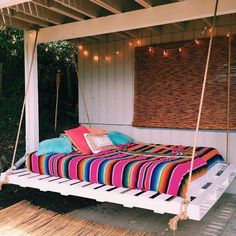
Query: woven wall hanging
point(168, 84)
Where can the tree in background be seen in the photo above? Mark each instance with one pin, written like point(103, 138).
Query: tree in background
point(51, 57)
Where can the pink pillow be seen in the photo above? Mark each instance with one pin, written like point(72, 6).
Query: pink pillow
point(77, 138)
point(96, 130)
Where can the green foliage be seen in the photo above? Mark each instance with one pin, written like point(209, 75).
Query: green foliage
point(11, 44)
point(55, 54)
point(58, 54)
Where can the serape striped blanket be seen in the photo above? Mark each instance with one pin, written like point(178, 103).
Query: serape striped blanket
point(141, 166)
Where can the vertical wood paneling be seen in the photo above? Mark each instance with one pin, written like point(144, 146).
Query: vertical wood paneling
point(102, 105)
point(119, 82)
point(128, 81)
point(109, 92)
point(111, 85)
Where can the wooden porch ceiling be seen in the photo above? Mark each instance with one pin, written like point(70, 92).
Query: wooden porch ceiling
point(46, 13)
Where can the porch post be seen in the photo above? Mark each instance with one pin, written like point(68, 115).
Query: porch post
point(31, 109)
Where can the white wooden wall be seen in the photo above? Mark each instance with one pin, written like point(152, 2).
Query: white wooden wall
point(109, 94)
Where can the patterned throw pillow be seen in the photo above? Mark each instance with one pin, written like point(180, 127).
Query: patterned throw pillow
point(98, 142)
point(77, 138)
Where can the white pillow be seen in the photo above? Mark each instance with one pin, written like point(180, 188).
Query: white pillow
point(98, 142)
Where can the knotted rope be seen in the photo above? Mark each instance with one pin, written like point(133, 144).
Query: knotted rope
point(183, 215)
point(184, 205)
point(4, 179)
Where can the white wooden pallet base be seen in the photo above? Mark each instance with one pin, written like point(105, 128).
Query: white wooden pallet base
point(208, 193)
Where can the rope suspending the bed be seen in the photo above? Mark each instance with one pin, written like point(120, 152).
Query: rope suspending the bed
point(58, 82)
point(183, 209)
point(82, 91)
point(10, 170)
point(228, 98)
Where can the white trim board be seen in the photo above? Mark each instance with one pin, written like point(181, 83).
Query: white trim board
point(209, 192)
point(159, 15)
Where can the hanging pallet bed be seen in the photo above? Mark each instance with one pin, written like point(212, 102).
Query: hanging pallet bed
point(208, 188)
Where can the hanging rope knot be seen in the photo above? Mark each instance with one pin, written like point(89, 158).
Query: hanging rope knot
point(183, 215)
point(4, 179)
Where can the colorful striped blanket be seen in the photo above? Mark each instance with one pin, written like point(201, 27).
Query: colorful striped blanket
point(141, 166)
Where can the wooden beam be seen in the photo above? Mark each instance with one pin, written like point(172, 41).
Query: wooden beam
point(144, 3)
point(14, 23)
point(56, 7)
point(155, 29)
point(82, 6)
point(122, 35)
point(8, 3)
point(113, 7)
point(208, 23)
point(146, 17)
point(132, 33)
point(21, 16)
point(179, 26)
point(31, 9)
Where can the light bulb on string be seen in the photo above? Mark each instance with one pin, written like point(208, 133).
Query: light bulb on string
point(85, 53)
point(95, 58)
point(197, 41)
point(80, 47)
point(150, 49)
point(108, 58)
point(228, 34)
point(165, 53)
point(117, 52)
point(180, 49)
point(138, 42)
point(130, 44)
point(46, 49)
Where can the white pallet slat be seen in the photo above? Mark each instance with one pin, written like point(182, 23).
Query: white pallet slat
point(151, 200)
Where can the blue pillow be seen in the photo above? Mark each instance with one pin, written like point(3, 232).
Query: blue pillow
point(119, 138)
point(54, 145)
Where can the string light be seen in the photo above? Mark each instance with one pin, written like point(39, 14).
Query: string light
point(165, 53)
point(95, 58)
point(86, 53)
point(80, 47)
point(138, 42)
point(150, 49)
point(46, 49)
point(57, 57)
point(108, 58)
